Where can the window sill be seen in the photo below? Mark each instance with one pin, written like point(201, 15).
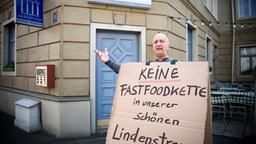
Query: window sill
point(8, 70)
point(246, 18)
point(9, 73)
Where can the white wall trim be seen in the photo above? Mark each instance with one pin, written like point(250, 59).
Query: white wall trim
point(93, 29)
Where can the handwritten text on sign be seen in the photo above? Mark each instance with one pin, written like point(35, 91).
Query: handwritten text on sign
point(159, 104)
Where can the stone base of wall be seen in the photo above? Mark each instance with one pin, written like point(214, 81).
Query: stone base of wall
point(64, 118)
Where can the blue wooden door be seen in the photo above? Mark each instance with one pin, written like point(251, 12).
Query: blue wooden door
point(122, 47)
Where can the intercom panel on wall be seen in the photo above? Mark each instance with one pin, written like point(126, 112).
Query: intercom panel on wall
point(45, 76)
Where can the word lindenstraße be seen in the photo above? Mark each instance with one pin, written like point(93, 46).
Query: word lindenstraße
point(121, 134)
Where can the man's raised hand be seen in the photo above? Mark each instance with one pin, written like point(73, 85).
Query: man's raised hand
point(103, 56)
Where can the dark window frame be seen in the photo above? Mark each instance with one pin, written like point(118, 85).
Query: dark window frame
point(250, 56)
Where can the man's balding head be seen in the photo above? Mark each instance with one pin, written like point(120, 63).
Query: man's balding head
point(161, 35)
point(160, 44)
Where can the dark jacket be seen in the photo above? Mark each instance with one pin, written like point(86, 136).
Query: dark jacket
point(115, 67)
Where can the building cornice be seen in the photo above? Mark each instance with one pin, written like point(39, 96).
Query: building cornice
point(6, 5)
point(192, 8)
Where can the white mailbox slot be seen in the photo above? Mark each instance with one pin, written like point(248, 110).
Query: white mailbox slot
point(27, 115)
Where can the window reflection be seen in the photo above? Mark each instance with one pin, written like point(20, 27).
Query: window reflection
point(247, 60)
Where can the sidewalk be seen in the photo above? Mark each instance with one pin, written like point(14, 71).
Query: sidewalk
point(13, 135)
point(232, 132)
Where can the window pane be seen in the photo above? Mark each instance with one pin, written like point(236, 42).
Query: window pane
point(11, 53)
point(254, 62)
point(190, 45)
point(253, 51)
point(253, 8)
point(243, 51)
point(248, 51)
point(208, 52)
point(245, 66)
point(9, 48)
point(11, 45)
point(215, 9)
point(243, 7)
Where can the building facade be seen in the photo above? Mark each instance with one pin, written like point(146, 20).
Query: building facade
point(80, 103)
point(236, 56)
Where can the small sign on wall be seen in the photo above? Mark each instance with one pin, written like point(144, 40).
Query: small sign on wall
point(29, 12)
point(144, 4)
point(45, 76)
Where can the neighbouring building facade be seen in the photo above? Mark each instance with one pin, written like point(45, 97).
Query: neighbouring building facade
point(236, 56)
point(80, 102)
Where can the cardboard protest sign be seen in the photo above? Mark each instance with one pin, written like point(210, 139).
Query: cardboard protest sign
point(160, 103)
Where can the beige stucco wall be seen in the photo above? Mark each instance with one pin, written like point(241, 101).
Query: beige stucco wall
point(62, 119)
point(66, 119)
point(243, 37)
point(66, 44)
point(34, 46)
point(224, 59)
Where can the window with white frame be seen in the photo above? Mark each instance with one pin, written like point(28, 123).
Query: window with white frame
point(8, 48)
point(247, 60)
point(246, 8)
point(212, 6)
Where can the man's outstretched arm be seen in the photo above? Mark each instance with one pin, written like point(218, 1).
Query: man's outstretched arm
point(103, 56)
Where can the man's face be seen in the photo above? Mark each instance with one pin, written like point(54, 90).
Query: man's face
point(160, 45)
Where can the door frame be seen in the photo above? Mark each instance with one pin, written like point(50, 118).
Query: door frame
point(93, 29)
